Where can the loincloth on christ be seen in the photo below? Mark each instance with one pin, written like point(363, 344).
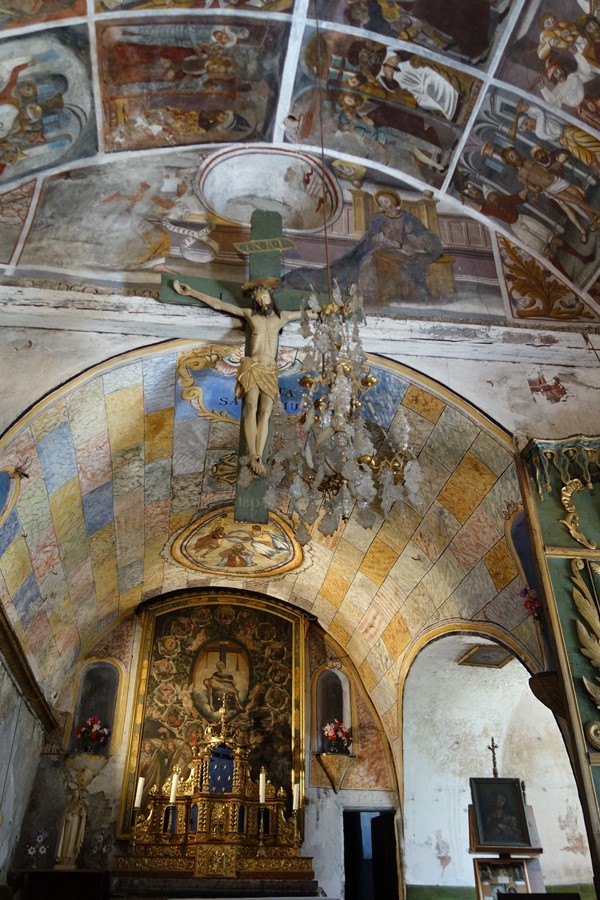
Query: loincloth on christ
point(251, 373)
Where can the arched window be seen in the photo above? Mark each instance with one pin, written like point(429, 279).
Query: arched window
point(98, 689)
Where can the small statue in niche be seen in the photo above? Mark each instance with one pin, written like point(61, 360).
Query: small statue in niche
point(72, 831)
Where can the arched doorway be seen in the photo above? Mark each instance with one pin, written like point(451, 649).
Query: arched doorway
point(452, 707)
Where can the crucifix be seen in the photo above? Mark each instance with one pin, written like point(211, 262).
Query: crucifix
point(257, 376)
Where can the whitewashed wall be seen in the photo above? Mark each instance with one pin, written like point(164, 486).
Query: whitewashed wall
point(21, 740)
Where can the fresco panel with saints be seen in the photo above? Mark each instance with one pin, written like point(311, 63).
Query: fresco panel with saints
point(199, 657)
point(387, 104)
point(537, 175)
point(464, 29)
point(174, 81)
point(18, 13)
point(556, 55)
point(46, 107)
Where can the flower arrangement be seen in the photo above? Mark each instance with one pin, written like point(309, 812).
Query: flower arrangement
point(91, 735)
point(338, 737)
point(532, 603)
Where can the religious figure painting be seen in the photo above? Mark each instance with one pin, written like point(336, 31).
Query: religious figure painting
point(203, 658)
point(173, 82)
point(556, 56)
point(500, 815)
point(388, 104)
point(46, 106)
point(537, 175)
point(19, 13)
point(464, 29)
point(408, 252)
point(218, 545)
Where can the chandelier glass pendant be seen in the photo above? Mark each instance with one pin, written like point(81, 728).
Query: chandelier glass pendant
point(330, 459)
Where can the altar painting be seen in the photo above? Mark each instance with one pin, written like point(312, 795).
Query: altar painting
point(200, 656)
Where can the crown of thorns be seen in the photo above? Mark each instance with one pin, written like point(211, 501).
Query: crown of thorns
point(271, 283)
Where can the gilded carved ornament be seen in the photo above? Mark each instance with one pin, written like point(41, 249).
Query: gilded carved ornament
point(588, 606)
point(574, 459)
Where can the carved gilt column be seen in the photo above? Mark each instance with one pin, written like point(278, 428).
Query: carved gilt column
point(560, 481)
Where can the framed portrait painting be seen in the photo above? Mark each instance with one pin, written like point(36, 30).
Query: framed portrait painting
point(497, 878)
point(499, 813)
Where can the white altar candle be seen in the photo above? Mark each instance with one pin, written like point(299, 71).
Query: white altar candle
point(262, 787)
point(139, 791)
point(296, 801)
point(175, 779)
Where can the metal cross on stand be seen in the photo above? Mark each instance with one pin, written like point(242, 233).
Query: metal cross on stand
point(257, 376)
point(492, 747)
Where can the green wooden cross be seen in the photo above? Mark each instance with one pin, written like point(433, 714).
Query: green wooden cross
point(264, 250)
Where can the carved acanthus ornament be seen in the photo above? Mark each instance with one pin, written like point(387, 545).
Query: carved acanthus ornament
point(586, 601)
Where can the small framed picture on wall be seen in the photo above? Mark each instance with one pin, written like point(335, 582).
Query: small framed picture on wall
point(498, 878)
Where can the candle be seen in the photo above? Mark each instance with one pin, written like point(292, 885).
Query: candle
point(262, 787)
point(174, 781)
point(139, 791)
point(296, 801)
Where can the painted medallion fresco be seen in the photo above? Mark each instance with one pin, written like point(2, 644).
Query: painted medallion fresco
point(218, 545)
point(555, 54)
point(18, 13)
point(537, 175)
point(172, 82)
point(461, 28)
point(379, 102)
point(46, 107)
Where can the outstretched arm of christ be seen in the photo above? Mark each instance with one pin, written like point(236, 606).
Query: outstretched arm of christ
point(220, 305)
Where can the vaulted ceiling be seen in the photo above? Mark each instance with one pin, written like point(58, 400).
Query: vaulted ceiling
point(136, 139)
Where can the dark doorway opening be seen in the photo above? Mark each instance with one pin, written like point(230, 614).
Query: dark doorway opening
point(370, 855)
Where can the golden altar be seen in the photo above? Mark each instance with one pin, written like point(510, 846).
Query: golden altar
point(213, 821)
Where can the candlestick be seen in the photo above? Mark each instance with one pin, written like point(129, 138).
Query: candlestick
point(173, 797)
point(262, 787)
point(139, 791)
point(296, 797)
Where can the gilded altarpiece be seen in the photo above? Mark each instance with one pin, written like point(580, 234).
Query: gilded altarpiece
point(201, 654)
point(561, 486)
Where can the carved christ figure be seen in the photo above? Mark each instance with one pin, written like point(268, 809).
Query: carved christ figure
point(257, 376)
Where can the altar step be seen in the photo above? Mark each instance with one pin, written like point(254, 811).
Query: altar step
point(159, 888)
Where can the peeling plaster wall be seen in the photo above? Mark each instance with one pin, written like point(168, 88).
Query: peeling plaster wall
point(34, 361)
point(465, 707)
point(20, 744)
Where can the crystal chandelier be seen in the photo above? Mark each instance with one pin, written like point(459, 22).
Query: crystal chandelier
point(329, 457)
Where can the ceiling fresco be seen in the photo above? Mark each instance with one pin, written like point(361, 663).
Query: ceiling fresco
point(427, 137)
